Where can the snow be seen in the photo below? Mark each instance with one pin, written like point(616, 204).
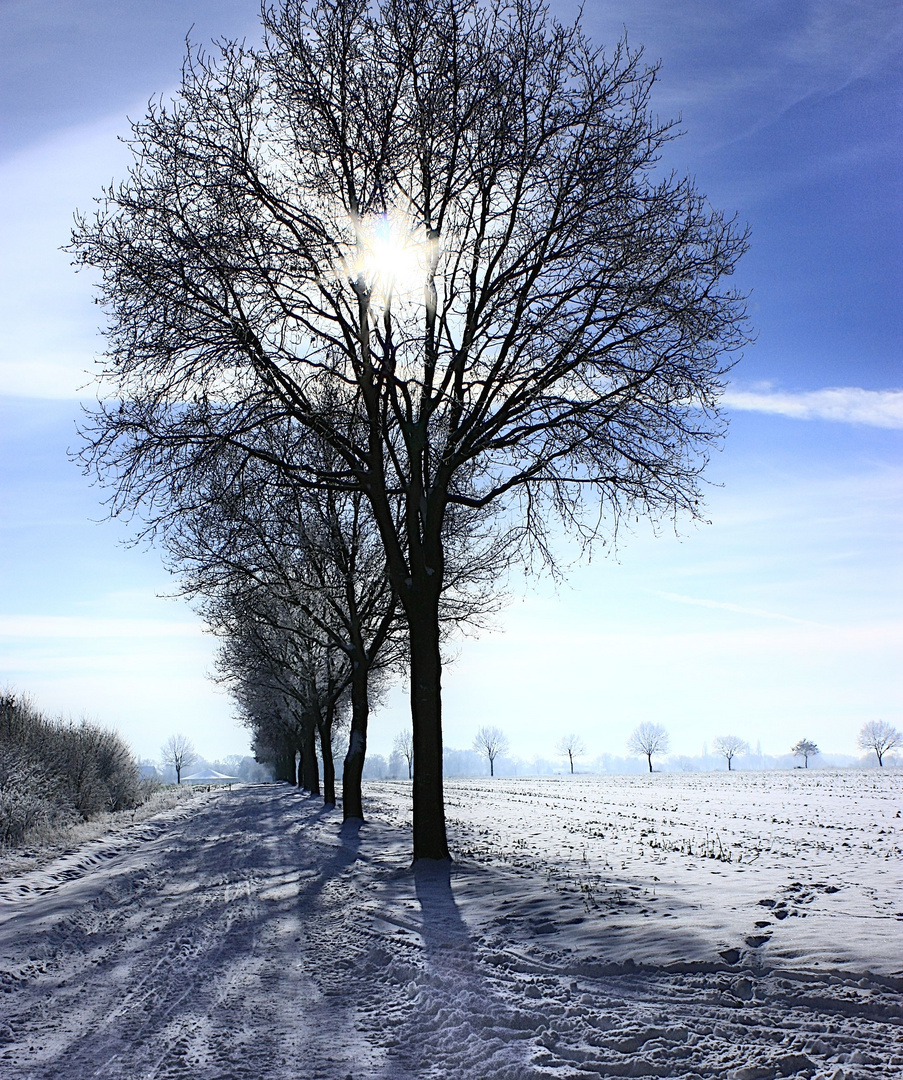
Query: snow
point(742, 926)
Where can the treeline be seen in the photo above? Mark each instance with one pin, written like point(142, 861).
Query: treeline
point(54, 772)
point(371, 341)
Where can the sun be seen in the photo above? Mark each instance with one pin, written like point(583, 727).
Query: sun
point(392, 256)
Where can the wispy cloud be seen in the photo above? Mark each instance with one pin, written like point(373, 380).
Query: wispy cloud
point(63, 626)
point(739, 608)
point(847, 404)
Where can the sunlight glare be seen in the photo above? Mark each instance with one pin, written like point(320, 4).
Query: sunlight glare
point(392, 256)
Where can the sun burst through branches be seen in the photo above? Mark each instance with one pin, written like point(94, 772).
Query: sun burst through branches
point(392, 256)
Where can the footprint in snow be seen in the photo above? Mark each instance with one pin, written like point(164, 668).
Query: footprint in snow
point(756, 941)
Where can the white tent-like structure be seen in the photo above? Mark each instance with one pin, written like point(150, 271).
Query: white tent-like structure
point(210, 776)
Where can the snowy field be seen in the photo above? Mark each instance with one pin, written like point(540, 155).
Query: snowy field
point(738, 926)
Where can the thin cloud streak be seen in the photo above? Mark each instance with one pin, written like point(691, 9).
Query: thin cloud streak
point(844, 404)
point(64, 626)
point(740, 609)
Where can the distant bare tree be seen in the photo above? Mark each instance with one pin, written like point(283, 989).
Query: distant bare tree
point(647, 740)
point(179, 752)
point(805, 749)
point(490, 742)
point(729, 746)
point(880, 736)
point(570, 746)
point(404, 745)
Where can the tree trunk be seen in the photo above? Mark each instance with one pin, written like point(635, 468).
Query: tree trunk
point(310, 770)
point(430, 841)
point(328, 762)
point(352, 798)
point(284, 767)
point(571, 757)
point(492, 767)
point(649, 759)
point(417, 571)
point(728, 764)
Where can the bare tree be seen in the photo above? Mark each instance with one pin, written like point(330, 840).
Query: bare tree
point(404, 745)
point(729, 747)
point(308, 563)
point(805, 749)
point(648, 740)
point(491, 742)
point(178, 752)
point(258, 683)
point(285, 675)
point(571, 746)
point(396, 212)
point(880, 736)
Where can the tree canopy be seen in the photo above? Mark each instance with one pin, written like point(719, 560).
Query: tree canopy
point(729, 747)
point(880, 736)
point(805, 749)
point(436, 235)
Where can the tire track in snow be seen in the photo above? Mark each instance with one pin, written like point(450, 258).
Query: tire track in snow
point(180, 958)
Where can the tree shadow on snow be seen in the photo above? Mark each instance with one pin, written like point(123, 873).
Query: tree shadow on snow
point(455, 1023)
point(220, 973)
point(443, 930)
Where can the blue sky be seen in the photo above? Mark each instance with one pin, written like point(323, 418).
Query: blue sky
point(781, 618)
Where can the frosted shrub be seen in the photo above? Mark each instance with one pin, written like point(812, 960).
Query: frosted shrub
point(51, 771)
point(26, 800)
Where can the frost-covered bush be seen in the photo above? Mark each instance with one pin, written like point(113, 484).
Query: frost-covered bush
point(98, 769)
point(52, 770)
point(27, 798)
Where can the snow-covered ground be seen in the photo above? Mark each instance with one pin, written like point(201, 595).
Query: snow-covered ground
point(733, 926)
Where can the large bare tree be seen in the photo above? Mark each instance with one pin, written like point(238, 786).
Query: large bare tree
point(729, 747)
point(805, 749)
point(305, 563)
point(491, 742)
point(571, 746)
point(404, 747)
point(178, 751)
point(446, 220)
point(273, 651)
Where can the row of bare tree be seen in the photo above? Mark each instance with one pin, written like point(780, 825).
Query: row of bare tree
point(387, 297)
point(650, 740)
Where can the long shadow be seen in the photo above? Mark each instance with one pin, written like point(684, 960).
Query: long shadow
point(455, 1022)
point(443, 930)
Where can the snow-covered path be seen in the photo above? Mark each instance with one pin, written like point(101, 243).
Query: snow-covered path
point(248, 935)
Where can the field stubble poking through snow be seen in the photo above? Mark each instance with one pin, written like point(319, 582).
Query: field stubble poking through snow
point(746, 926)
